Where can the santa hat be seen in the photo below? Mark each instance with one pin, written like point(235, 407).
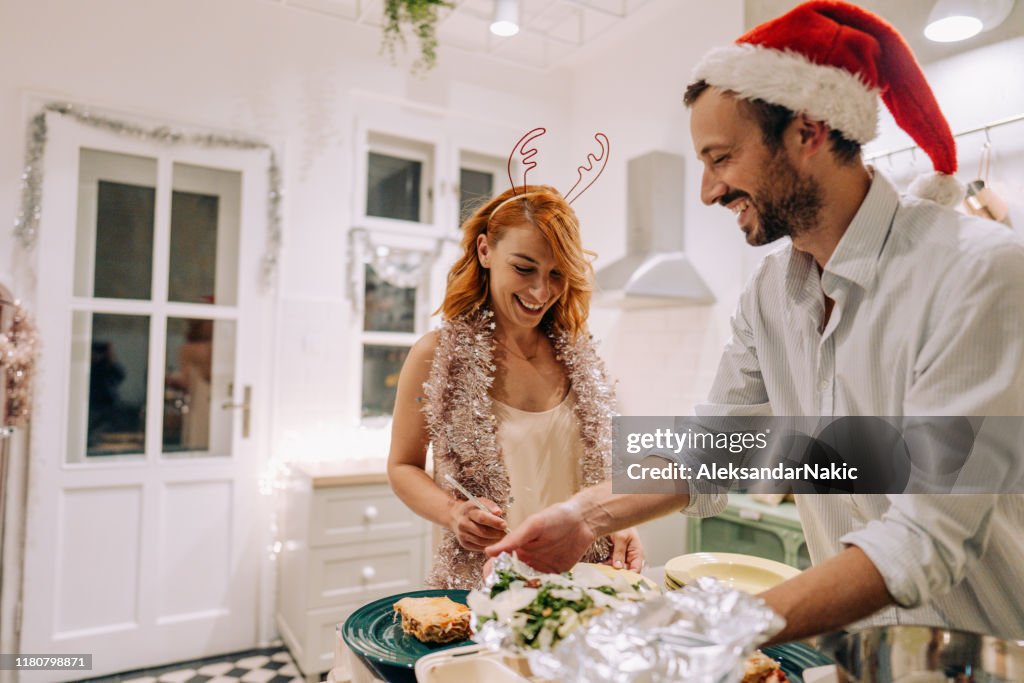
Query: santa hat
point(831, 60)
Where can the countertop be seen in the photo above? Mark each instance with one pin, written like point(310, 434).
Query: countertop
point(343, 472)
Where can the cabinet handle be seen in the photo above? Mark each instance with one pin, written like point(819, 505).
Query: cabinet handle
point(368, 573)
point(370, 513)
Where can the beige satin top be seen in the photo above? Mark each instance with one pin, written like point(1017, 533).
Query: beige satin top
point(542, 453)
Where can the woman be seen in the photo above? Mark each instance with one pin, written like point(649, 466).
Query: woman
point(510, 391)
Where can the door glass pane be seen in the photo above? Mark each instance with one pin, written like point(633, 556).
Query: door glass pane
point(109, 366)
point(205, 207)
point(381, 365)
point(114, 232)
point(475, 188)
point(388, 308)
point(393, 187)
point(198, 381)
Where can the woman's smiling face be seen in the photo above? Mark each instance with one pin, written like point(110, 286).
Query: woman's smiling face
point(524, 278)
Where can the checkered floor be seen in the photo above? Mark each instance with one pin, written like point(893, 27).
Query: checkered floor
point(266, 665)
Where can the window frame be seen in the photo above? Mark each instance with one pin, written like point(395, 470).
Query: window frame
point(453, 142)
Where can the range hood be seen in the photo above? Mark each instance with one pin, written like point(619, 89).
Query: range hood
point(655, 270)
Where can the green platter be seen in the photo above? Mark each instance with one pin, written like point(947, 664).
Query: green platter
point(374, 633)
point(795, 657)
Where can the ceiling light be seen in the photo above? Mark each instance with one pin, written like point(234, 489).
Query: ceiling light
point(506, 18)
point(954, 28)
point(953, 20)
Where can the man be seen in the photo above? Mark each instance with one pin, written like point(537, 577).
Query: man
point(881, 305)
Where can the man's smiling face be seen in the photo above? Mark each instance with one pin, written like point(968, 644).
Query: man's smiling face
point(769, 195)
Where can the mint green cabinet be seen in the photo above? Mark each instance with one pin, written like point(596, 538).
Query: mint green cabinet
point(752, 528)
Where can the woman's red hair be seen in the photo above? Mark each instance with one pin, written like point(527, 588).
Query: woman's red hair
point(544, 208)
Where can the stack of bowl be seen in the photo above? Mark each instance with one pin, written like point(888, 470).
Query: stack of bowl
point(744, 572)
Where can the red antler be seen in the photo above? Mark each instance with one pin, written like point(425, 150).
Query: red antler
point(588, 168)
point(526, 155)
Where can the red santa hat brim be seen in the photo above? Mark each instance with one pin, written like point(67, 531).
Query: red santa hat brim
point(825, 93)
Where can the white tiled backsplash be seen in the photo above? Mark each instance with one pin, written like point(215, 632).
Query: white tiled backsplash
point(663, 360)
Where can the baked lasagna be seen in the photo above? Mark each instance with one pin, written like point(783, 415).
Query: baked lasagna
point(760, 668)
point(434, 620)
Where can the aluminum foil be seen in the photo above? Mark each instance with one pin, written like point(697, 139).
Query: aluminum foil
point(500, 634)
point(700, 634)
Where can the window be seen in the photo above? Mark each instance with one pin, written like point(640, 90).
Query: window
point(390, 274)
point(415, 188)
point(478, 178)
point(390, 310)
point(399, 174)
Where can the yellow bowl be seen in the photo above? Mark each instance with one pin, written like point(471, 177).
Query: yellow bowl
point(744, 572)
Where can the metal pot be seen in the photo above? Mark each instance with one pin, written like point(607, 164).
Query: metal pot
point(922, 654)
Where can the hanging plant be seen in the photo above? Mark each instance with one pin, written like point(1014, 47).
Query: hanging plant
point(421, 16)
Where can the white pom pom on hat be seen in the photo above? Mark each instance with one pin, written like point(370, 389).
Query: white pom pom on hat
point(940, 188)
point(831, 60)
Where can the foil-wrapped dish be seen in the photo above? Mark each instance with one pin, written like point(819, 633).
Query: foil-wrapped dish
point(587, 625)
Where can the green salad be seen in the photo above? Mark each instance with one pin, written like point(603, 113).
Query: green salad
point(537, 610)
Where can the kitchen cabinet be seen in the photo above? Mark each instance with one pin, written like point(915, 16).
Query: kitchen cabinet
point(751, 527)
point(345, 539)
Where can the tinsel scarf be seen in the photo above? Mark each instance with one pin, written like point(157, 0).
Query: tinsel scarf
point(462, 428)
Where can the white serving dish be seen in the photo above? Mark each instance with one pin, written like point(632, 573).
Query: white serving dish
point(469, 664)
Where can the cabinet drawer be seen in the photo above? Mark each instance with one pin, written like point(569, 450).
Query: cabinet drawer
point(361, 573)
point(320, 638)
point(352, 514)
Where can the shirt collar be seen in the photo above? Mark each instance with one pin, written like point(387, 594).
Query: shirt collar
point(855, 258)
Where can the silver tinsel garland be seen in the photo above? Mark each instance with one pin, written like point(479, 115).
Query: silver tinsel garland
point(26, 224)
point(462, 426)
point(18, 353)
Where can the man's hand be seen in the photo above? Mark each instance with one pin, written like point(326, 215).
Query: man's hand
point(627, 551)
point(552, 540)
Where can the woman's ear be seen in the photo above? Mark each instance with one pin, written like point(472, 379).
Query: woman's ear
point(483, 251)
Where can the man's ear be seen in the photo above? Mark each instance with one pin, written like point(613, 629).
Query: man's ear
point(811, 135)
point(483, 251)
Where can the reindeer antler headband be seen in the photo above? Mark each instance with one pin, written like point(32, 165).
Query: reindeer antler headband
point(588, 169)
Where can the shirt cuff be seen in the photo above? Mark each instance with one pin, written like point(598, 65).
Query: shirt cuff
point(896, 553)
point(706, 499)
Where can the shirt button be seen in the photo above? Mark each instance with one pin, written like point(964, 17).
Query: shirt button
point(823, 384)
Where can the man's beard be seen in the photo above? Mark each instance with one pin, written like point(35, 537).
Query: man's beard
point(787, 203)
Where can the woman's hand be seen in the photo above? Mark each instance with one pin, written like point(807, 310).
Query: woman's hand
point(475, 528)
point(627, 551)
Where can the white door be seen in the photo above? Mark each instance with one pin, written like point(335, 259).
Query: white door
point(144, 517)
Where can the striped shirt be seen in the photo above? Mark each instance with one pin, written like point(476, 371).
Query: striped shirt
point(928, 320)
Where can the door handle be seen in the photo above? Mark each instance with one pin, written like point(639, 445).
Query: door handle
point(245, 406)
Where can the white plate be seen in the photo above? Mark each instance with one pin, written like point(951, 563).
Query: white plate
point(744, 572)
